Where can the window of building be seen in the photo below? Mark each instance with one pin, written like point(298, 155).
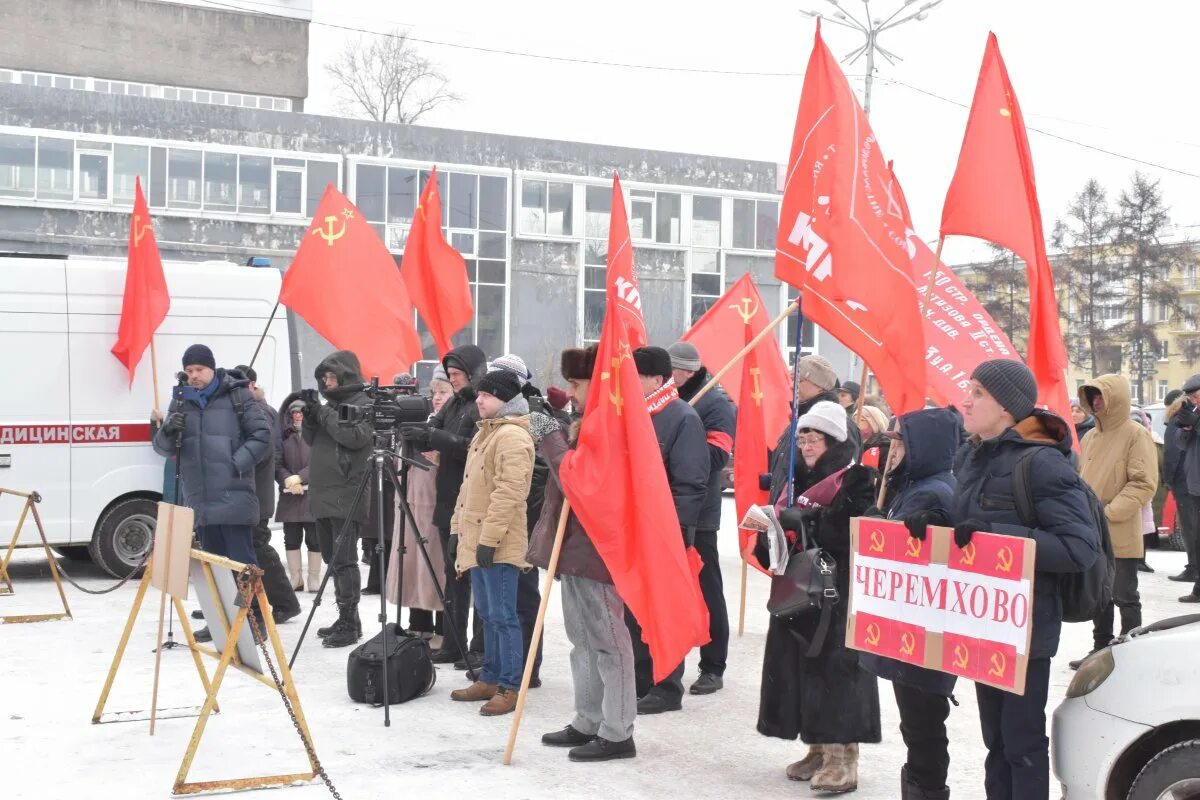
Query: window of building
point(597, 212)
point(220, 181)
point(402, 195)
point(463, 201)
point(668, 217)
point(706, 221)
point(1189, 276)
point(493, 203)
point(641, 215)
point(56, 169)
point(1160, 390)
point(755, 223)
point(1164, 350)
point(18, 158)
point(595, 267)
point(130, 162)
point(184, 172)
point(289, 186)
point(369, 193)
point(547, 208)
point(320, 175)
point(92, 164)
point(254, 184)
point(707, 282)
point(158, 177)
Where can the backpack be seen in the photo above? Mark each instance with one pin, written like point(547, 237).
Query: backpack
point(1084, 594)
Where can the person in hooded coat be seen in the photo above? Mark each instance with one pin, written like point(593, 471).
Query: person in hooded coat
point(1083, 421)
point(827, 699)
point(1180, 412)
point(339, 462)
point(292, 455)
point(920, 491)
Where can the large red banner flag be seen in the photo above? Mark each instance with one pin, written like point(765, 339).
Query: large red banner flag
point(345, 284)
point(146, 300)
point(993, 196)
point(435, 273)
point(718, 337)
point(751, 436)
point(617, 486)
point(622, 294)
point(844, 240)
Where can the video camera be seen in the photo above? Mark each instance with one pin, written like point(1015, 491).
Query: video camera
point(389, 407)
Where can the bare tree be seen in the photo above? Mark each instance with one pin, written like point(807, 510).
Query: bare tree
point(384, 78)
point(1003, 289)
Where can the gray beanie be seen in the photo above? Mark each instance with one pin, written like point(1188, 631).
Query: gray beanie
point(684, 355)
point(818, 371)
point(1011, 383)
point(1191, 384)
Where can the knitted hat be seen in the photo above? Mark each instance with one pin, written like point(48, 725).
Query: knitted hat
point(199, 354)
point(556, 397)
point(1191, 384)
point(514, 364)
point(439, 374)
point(500, 383)
point(826, 417)
point(818, 371)
point(685, 356)
point(577, 364)
point(851, 388)
point(874, 417)
point(1011, 383)
point(653, 361)
point(1172, 396)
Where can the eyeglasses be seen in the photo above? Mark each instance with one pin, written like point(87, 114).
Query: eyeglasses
point(810, 440)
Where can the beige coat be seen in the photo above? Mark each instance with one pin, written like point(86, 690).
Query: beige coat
point(1120, 462)
point(491, 507)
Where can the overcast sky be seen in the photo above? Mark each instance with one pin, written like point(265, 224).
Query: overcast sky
point(1115, 76)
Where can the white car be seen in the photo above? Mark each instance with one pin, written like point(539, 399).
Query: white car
point(1129, 728)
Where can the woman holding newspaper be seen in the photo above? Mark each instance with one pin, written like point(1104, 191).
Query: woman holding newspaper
point(812, 686)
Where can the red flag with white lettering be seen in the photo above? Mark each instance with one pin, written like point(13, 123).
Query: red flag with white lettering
point(622, 293)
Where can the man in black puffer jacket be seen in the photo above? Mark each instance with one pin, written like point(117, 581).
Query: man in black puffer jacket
point(681, 439)
point(1000, 414)
point(340, 459)
point(719, 418)
point(450, 432)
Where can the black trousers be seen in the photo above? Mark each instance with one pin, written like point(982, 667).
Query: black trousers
point(347, 581)
point(714, 654)
point(296, 532)
point(670, 687)
point(458, 602)
point(275, 580)
point(1189, 522)
point(1126, 598)
point(1014, 732)
point(923, 726)
point(529, 598)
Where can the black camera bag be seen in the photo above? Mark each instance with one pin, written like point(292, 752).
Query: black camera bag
point(409, 664)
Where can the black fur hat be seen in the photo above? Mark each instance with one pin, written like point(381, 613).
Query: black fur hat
point(578, 364)
point(653, 361)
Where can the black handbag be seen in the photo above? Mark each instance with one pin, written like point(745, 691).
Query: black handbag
point(410, 671)
point(808, 585)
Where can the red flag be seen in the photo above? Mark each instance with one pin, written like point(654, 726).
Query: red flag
point(622, 292)
point(993, 197)
point(146, 300)
point(718, 337)
point(345, 284)
point(844, 240)
point(434, 272)
point(750, 460)
point(617, 485)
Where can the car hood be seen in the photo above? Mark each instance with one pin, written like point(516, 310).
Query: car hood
point(1156, 679)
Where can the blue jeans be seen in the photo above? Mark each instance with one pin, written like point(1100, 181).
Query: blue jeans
point(232, 541)
point(495, 590)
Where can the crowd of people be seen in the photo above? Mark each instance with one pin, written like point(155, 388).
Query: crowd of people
point(491, 500)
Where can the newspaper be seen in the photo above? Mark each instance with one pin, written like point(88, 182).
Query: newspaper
point(764, 520)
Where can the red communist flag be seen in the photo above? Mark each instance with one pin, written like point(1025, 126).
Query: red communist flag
point(844, 240)
point(993, 196)
point(718, 337)
point(622, 293)
point(750, 461)
point(146, 300)
point(617, 486)
point(345, 284)
point(435, 273)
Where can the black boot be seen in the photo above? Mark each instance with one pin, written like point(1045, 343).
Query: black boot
point(1187, 576)
point(911, 790)
point(599, 749)
point(347, 630)
point(567, 737)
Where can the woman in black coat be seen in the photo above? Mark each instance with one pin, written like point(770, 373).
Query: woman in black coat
point(292, 455)
point(827, 700)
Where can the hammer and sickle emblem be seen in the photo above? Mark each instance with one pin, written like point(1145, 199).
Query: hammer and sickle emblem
point(140, 227)
point(968, 554)
point(328, 233)
point(913, 548)
point(746, 309)
point(960, 656)
point(615, 396)
point(1004, 560)
point(757, 394)
point(999, 664)
point(873, 635)
point(908, 643)
point(877, 541)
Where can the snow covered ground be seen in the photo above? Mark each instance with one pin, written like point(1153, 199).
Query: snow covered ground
point(52, 673)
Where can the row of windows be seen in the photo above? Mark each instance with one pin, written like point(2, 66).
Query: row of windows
point(49, 80)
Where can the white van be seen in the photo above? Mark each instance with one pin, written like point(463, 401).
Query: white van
point(71, 426)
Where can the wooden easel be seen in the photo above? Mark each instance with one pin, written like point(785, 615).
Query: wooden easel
point(31, 501)
point(226, 658)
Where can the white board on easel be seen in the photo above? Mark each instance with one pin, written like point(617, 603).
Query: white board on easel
point(172, 545)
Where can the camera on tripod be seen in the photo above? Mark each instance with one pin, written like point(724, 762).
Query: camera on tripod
point(389, 407)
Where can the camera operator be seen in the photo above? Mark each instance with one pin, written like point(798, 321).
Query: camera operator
point(450, 432)
point(340, 456)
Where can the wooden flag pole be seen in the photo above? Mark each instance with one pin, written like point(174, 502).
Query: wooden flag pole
point(742, 353)
point(937, 263)
point(547, 586)
point(742, 608)
point(162, 610)
point(154, 374)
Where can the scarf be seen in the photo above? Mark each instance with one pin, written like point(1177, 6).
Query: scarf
point(201, 396)
point(661, 397)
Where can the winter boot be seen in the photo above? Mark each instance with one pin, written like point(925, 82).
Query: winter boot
point(503, 703)
point(601, 749)
point(839, 773)
point(295, 570)
point(911, 790)
point(475, 692)
point(805, 768)
point(347, 630)
point(314, 571)
point(567, 737)
point(323, 632)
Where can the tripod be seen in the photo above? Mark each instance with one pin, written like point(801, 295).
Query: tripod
point(383, 465)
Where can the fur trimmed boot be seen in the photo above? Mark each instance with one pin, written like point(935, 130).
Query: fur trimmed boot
point(805, 768)
point(839, 773)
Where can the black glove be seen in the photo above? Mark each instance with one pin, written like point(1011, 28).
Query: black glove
point(874, 511)
point(689, 535)
point(764, 482)
point(964, 530)
point(417, 436)
point(485, 556)
point(452, 546)
point(174, 423)
point(311, 400)
point(858, 491)
point(918, 522)
point(1186, 417)
point(797, 519)
point(857, 479)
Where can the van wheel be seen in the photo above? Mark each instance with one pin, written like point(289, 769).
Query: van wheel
point(75, 552)
point(124, 536)
point(1170, 775)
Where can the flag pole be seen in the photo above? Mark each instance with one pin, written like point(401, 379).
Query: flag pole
point(547, 587)
point(772, 325)
point(791, 473)
point(258, 347)
point(937, 263)
point(154, 374)
point(742, 608)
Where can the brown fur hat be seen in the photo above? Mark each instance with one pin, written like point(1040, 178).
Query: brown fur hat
point(578, 364)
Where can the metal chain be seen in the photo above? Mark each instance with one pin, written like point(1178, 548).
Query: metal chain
point(245, 581)
point(112, 588)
